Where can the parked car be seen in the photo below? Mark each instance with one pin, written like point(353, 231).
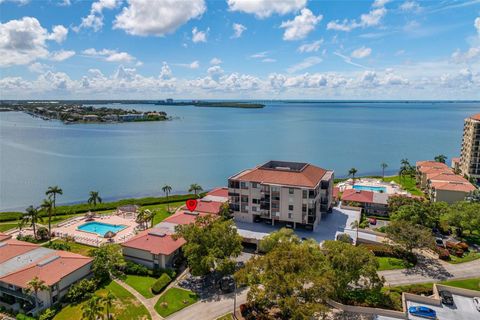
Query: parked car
point(439, 242)
point(257, 219)
point(476, 303)
point(289, 226)
point(447, 298)
point(372, 221)
point(421, 311)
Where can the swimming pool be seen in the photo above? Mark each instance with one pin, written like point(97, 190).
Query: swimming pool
point(370, 188)
point(100, 228)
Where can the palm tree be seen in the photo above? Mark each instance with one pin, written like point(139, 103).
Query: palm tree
point(94, 198)
point(441, 158)
point(108, 301)
point(352, 172)
point(92, 310)
point(47, 206)
point(52, 194)
point(196, 188)
point(143, 216)
point(35, 285)
point(167, 189)
point(384, 166)
point(355, 225)
point(32, 216)
point(405, 167)
point(151, 216)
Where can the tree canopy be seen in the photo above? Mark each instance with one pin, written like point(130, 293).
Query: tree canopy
point(211, 245)
point(108, 261)
point(409, 236)
point(465, 216)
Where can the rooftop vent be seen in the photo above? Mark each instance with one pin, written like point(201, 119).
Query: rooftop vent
point(47, 261)
point(157, 233)
point(3, 244)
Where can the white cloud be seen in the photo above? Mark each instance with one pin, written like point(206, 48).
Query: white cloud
point(25, 40)
point(215, 61)
point(166, 72)
point(59, 34)
point(215, 72)
point(310, 47)
point(238, 29)
point(193, 65)
point(370, 19)
point(38, 67)
point(158, 18)
point(477, 24)
point(349, 60)
point(269, 60)
point(259, 55)
point(361, 53)
point(301, 25)
point(380, 3)
point(109, 55)
point(61, 55)
point(265, 8)
point(95, 18)
point(410, 6)
point(19, 2)
point(305, 64)
point(64, 3)
point(464, 57)
point(199, 36)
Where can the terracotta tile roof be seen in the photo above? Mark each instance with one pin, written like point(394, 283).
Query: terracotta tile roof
point(218, 192)
point(184, 217)
point(476, 117)
point(336, 192)
point(12, 248)
point(4, 236)
point(453, 186)
point(431, 163)
point(155, 241)
point(446, 177)
point(437, 169)
point(308, 177)
point(50, 269)
point(456, 159)
point(362, 196)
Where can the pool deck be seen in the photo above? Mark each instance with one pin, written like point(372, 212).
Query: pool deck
point(390, 188)
point(70, 229)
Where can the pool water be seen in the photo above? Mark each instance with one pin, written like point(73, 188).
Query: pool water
point(370, 188)
point(100, 228)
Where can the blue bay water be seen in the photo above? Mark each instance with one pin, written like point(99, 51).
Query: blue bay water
point(207, 145)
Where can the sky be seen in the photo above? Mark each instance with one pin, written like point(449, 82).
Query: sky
point(239, 49)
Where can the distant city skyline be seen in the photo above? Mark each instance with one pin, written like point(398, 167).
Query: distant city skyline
point(239, 49)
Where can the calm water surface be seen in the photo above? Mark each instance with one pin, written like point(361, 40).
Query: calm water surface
point(207, 145)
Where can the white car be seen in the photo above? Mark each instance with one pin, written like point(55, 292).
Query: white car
point(476, 302)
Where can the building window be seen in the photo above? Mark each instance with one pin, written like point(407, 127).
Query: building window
point(243, 185)
point(244, 198)
point(254, 209)
point(254, 185)
point(289, 215)
point(275, 205)
point(256, 201)
point(290, 190)
point(304, 208)
point(304, 194)
point(290, 207)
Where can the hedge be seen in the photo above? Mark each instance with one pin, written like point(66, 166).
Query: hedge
point(161, 283)
point(85, 207)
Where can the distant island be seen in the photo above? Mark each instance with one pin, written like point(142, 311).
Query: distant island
point(216, 104)
point(76, 113)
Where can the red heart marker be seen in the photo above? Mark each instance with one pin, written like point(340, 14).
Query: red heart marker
point(191, 204)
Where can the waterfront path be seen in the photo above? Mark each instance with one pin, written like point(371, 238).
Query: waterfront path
point(429, 269)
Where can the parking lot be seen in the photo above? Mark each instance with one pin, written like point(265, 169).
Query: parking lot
point(338, 221)
point(463, 309)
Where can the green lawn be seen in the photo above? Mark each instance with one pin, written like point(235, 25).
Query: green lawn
point(126, 307)
point(162, 210)
point(142, 284)
point(471, 284)
point(77, 247)
point(173, 300)
point(408, 184)
point(470, 256)
point(7, 226)
point(389, 263)
point(228, 316)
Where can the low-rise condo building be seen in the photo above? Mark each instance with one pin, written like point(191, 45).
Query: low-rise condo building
point(280, 192)
point(429, 167)
point(470, 156)
point(374, 203)
point(20, 262)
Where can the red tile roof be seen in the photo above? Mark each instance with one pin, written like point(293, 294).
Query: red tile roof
point(309, 177)
point(184, 217)
point(336, 192)
point(155, 241)
point(4, 236)
point(430, 163)
point(362, 196)
point(456, 159)
point(436, 169)
point(453, 186)
point(476, 117)
point(12, 248)
point(218, 192)
point(446, 177)
point(51, 269)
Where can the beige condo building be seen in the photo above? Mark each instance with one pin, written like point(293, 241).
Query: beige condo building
point(470, 156)
point(295, 194)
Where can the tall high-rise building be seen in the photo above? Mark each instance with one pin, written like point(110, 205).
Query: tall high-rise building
point(470, 157)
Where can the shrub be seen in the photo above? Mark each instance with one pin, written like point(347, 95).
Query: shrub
point(42, 233)
point(158, 272)
point(47, 314)
point(136, 269)
point(81, 290)
point(22, 316)
point(161, 283)
point(27, 238)
point(58, 246)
